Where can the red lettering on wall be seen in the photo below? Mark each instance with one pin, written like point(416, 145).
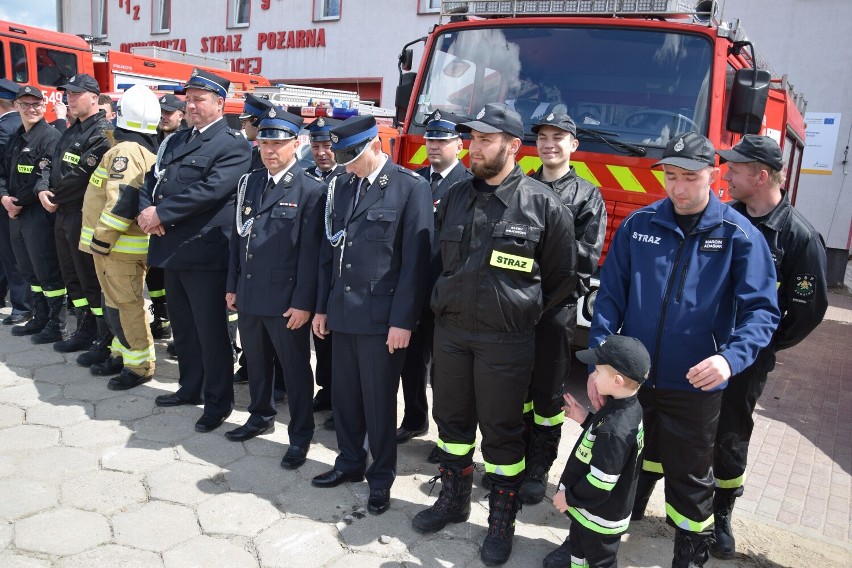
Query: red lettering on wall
point(222, 44)
point(288, 39)
point(176, 44)
point(252, 65)
point(264, 4)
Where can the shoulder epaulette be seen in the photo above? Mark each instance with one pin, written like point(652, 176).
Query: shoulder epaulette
point(409, 172)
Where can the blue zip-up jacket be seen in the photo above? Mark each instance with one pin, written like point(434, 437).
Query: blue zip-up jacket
point(688, 298)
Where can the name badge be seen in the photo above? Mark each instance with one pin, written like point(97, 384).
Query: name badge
point(516, 230)
point(511, 262)
point(714, 244)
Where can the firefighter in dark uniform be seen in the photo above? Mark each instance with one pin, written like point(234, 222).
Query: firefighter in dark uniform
point(272, 280)
point(61, 189)
point(30, 225)
point(508, 255)
point(755, 176)
point(20, 294)
point(556, 140)
point(171, 120)
point(188, 209)
point(325, 168)
point(254, 109)
point(374, 268)
point(443, 145)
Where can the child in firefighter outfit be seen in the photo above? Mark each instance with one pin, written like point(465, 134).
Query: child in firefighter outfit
point(598, 485)
point(120, 247)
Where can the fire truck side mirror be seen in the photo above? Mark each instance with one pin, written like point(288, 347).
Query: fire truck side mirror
point(403, 96)
point(748, 100)
point(406, 58)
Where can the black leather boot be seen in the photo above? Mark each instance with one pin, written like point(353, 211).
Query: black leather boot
point(503, 506)
point(541, 452)
point(99, 351)
point(161, 327)
point(82, 337)
point(111, 366)
point(690, 549)
point(40, 312)
point(723, 546)
point(453, 504)
point(54, 330)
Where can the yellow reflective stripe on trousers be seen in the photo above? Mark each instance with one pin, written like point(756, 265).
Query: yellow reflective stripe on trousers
point(528, 407)
point(653, 467)
point(509, 470)
point(136, 357)
point(36, 289)
point(598, 524)
point(735, 483)
point(97, 311)
point(78, 303)
point(116, 347)
point(130, 244)
point(53, 293)
point(577, 562)
point(687, 524)
point(549, 420)
point(456, 449)
point(156, 293)
point(114, 222)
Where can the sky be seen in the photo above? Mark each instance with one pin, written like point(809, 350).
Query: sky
point(41, 13)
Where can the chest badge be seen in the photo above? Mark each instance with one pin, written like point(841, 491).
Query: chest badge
point(383, 181)
point(119, 164)
point(247, 211)
point(287, 177)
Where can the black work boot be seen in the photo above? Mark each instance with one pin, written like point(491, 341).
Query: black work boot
point(690, 549)
point(541, 452)
point(171, 350)
point(559, 558)
point(453, 504)
point(82, 337)
point(40, 313)
point(724, 545)
point(161, 327)
point(99, 351)
point(127, 380)
point(644, 488)
point(503, 505)
point(111, 366)
point(54, 330)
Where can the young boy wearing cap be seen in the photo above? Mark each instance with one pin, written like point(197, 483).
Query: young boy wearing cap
point(597, 488)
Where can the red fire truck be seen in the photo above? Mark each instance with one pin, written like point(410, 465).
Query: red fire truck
point(632, 73)
point(46, 58)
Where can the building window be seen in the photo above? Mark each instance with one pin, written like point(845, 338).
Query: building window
point(326, 10)
point(239, 13)
point(429, 6)
point(161, 21)
point(99, 18)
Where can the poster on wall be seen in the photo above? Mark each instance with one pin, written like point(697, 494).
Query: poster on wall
point(822, 129)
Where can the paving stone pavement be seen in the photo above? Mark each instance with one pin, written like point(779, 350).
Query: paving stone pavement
point(95, 478)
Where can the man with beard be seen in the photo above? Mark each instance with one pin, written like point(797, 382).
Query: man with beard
point(508, 254)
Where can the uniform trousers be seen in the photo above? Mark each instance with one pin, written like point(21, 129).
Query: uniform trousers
point(121, 280)
point(200, 328)
point(592, 549)
point(736, 422)
point(267, 337)
point(31, 235)
point(78, 267)
point(481, 379)
point(553, 337)
point(155, 279)
point(365, 382)
point(680, 433)
point(323, 351)
point(415, 372)
point(19, 289)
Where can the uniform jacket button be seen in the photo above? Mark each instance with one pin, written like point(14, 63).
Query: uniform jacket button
point(349, 243)
point(346, 289)
point(348, 265)
point(248, 276)
point(250, 256)
point(254, 235)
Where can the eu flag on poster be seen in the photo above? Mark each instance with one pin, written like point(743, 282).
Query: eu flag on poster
point(828, 121)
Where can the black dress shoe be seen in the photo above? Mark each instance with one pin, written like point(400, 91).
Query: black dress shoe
point(403, 434)
point(321, 404)
point(294, 457)
point(333, 478)
point(248, 431)
point(328, 423)
point(241, 376)
point(126, 380)
point(208, 423)
point(15, 319)
point(279, 396)
point(173, 400)
point(379, 501)
point(434, 455)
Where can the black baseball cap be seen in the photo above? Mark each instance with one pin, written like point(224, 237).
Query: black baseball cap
point(171, 103)
point(494, 118)
point(690, 151)
point(351, 137)
point(29, 91)
point(559, 119)
point(626, 355)
point(81, 83)
point(754, 148)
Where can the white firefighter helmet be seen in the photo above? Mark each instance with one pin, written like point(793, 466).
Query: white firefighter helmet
point(138, 110)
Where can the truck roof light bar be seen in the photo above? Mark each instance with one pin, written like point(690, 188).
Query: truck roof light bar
point(487, 8)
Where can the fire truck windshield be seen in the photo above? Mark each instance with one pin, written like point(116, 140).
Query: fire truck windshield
point(633, 85)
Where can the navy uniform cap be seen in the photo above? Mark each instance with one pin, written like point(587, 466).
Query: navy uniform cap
point(278, 124)
point(690, 151)
point(208, 82)
point(320, 129)
point(559, 119)
point(81, 83)
point(754, 148)
point(8, 89)
point(441, 126)
point(255, 107)
point(351, 138)
point(494, 118)
point(171, 103)
point(29, 91)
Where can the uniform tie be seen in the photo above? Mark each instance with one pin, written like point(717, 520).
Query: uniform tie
point(436, 181)
point(192, 135)
point(363, 186)
point(269, 185)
